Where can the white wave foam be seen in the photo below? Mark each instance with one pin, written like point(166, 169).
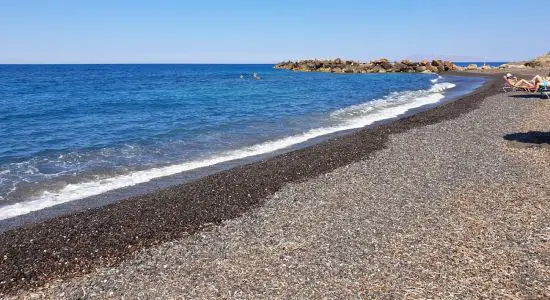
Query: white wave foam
point(390, 102)
point(440, 87)
point(361, 115)
point(435, 80)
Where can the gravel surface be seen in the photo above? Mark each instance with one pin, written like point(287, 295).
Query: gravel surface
point(445, 211)
point(79, 243)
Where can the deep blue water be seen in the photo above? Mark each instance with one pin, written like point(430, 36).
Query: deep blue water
point(71, 131)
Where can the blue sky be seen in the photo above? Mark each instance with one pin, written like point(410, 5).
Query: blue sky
point(267, 31)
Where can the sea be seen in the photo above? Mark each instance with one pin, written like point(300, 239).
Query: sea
point(481, 63)
point(73, 132)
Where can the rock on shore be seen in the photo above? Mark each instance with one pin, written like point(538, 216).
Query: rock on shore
point(376, 66)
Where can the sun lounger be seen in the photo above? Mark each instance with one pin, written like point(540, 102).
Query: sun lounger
point(512, 87)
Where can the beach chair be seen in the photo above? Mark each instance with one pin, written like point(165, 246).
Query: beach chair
point(512, 87)
point(545, 91)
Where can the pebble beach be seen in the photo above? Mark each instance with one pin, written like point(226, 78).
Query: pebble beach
point(450, 203)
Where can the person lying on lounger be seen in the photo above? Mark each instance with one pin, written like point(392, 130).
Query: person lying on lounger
point(519, 83)
point(540, 83)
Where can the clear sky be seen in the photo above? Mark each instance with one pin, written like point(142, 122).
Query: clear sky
point(99, 31)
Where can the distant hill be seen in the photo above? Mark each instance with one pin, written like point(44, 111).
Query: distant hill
point(541, 61)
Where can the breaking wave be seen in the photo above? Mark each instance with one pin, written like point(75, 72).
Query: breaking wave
point(352, 117)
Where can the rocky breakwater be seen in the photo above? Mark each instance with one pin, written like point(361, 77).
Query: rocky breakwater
point(475, 67)
point(376, 66)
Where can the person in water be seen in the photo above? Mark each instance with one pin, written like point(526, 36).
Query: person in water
point(242, 76)
point(256, 76)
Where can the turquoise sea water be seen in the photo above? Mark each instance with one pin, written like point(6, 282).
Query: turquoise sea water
point(73, 131)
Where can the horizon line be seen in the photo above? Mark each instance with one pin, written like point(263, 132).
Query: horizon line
point(137, 63)
point(200, 63)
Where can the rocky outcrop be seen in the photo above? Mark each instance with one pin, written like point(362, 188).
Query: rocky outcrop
point(539, 62)
point(471, 67)
point(382, 65)
point(513, 66)
point(542, 61)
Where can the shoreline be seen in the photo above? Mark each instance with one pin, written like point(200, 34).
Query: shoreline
point(162, 182)
point(180, 210)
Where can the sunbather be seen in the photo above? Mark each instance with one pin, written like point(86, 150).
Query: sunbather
point(540, 83)
point(519, 83)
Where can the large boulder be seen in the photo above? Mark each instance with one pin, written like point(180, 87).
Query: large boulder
point(449, 66)
point(401, 67)
point(376, 69)
point(384, 63)
point(421, 69)
point(471, 67)
point(284, 65)
point(432, 69)
point(437, 63)
point(305, 68)
point(362, 68)
point(387, 66)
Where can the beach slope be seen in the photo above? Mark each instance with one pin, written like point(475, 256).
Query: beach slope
point(449, 203)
